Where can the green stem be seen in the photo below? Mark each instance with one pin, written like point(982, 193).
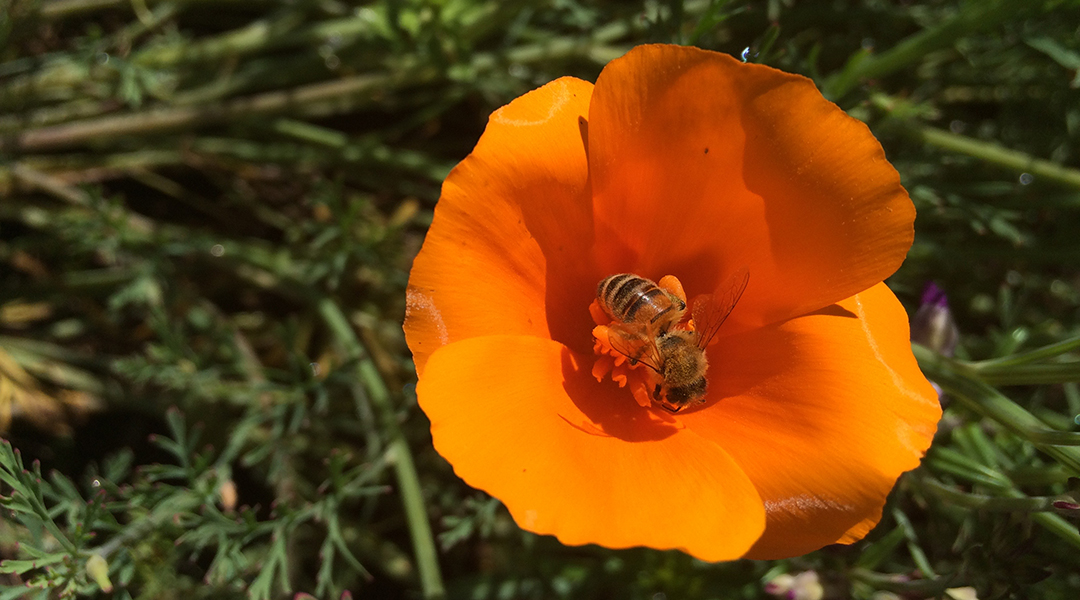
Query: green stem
point(1060, 527)
point(959, 464)
point(258, 36)
point(404, 468)
point(1032, 374)
point(973, 16)
point(998, 155)
point(328, 97)
point(317, 99)
point(1019, 503)
point(897, 583)
point(81, 108)
point(61, 9)
point(1038, 475)
point(35, 179)
point(102, 166)
point(963, 384)
point(1043, 353)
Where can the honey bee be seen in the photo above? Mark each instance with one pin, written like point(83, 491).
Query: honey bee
point(645, 329)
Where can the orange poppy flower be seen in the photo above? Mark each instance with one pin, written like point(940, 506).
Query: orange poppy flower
point(684, 162)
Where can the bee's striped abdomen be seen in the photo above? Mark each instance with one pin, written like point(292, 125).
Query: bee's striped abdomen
point(629, 298)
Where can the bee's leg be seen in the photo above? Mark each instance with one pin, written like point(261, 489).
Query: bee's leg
point(671, 408)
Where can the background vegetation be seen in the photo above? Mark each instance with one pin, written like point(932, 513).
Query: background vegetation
point(208, 210)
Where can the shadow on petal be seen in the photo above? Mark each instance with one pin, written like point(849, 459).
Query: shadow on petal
point(834, 310)
point(562, 227)
point(612, 409)
point(724, 384)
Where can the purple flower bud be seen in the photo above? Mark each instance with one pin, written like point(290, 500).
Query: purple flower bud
point(933, 325)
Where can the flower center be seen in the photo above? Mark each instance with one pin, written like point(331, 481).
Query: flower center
point(640, 325)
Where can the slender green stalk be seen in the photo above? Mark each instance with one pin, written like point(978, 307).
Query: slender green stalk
point(1010, 500)
point(995, 154)
point(1038, 475)
point(959, 464)
point(331, 96)
point(62, 9)
point(980, 397)
point(917, 554)
point(92, 167)
point(318, 99)
point(53, 79)
point(54, 187)
point(404, 468)
point(311, 133)
point(365, 25)
point(259, 36)
point(972, 440)
point(1031, 374)
point(920, 588)
point(81, 108)
point(974, 16)
point(1043, 353)
point(1019, 503)
point(1060, 527)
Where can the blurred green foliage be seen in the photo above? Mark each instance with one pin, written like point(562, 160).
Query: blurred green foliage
point(207, 213)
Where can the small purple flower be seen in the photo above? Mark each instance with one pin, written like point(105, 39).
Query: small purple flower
point(933, 325)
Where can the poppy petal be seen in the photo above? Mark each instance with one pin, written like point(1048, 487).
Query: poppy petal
point(823, 412)
point(522, 418)
point(512, 215)
point(702, 165)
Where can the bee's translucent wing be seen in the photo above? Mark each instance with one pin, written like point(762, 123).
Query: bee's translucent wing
point(711, 310)
point(634, 344)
